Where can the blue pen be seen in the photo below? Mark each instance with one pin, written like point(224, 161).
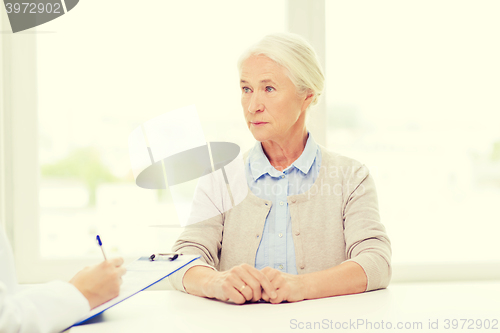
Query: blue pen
point(100, 245)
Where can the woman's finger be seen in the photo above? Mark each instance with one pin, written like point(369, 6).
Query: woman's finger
point(265, 297)
point(230, 293)
point(246, 291)
point(279, 298)
point(241, 283)
point(265, 281)
point(250, 287)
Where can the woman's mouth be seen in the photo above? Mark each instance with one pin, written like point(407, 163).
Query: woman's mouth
point(258, 123)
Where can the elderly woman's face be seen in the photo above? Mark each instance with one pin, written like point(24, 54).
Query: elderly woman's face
point(273, 109)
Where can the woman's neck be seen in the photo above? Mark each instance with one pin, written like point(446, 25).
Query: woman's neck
point(283, 153)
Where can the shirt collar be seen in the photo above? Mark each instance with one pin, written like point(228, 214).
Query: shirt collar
point(259, 164)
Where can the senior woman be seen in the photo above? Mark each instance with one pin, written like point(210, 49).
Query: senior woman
point(309, 226)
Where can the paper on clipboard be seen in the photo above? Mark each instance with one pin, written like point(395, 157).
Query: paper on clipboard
point(141, 274)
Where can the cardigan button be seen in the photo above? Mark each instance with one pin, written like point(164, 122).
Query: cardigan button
point(294, 201)
point(302, 267)
point(297, 233)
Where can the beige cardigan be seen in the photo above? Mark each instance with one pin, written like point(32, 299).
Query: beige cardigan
point(336, 220)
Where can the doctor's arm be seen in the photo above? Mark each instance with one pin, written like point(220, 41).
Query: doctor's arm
point(56, 305)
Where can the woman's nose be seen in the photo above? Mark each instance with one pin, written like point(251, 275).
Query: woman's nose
point(255, 104)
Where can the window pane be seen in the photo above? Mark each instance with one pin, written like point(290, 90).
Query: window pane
point(99, 78)
point(412, 92)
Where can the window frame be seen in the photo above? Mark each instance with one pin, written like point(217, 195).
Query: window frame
point(19, 169)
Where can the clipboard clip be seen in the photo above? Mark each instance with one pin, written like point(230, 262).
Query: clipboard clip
point(169, 256)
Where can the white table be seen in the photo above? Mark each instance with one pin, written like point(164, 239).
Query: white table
point(403, 304)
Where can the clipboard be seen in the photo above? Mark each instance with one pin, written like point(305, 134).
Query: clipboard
point(141, 274)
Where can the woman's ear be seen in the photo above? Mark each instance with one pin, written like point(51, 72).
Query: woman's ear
point(309, 97)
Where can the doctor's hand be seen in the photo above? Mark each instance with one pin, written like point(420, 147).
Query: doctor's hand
point(239, 284)
point(289, 287)
point(100, 283)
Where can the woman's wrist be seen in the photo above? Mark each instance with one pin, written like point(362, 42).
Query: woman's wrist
point(305, 287)
point(197, 281)
point(207, 284)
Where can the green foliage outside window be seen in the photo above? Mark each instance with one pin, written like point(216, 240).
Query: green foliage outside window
point(84, 164)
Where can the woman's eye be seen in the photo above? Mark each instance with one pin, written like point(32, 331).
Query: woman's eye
point(245, 89)
point(269, 89)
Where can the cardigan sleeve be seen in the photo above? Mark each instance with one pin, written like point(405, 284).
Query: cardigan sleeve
point(366, 240)
point(203, 234)
point(203, 238)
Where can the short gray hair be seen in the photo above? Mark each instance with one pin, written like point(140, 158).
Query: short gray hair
point(296, 55)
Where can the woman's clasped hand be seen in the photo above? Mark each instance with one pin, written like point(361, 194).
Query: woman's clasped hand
point(245, 283)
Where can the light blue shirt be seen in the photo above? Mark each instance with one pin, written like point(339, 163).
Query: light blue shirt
point(276, 247)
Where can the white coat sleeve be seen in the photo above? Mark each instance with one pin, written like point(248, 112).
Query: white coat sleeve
point(50, 307)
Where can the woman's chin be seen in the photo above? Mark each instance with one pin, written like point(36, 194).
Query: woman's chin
point(259, 135)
